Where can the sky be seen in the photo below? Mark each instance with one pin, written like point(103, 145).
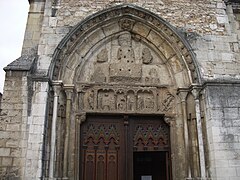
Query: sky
point(13, 18)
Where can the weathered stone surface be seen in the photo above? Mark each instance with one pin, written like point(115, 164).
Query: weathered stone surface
point(125, 60)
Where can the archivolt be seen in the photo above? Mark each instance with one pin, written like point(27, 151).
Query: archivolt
point(140, 22)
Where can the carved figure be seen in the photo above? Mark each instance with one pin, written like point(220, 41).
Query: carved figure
point(130, 102)
point(149, 103)
point(102, 56)
point(121, 105)
point(126, 68)
point(98, 76)
point(91, 100)
point(126, 24)
point(125, 52)
point(146, 56)
point(168, 102)
point(106, 101)
point(153, 77)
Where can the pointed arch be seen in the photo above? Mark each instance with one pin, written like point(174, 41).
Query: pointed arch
point(101, 27)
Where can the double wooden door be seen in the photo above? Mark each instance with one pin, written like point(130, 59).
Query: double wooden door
point(125, 148)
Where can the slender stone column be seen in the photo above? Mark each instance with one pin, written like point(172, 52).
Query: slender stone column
point(56, 88)
point(195, 92)
point(69, 91)
point(182, 93)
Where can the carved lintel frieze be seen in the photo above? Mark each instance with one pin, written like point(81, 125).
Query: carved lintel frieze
point(130, 99)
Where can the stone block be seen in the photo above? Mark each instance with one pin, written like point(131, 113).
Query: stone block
point(52, 21)
point(12, 143)
point(155, 38)
point(7, 161)
point(39, 109)
point(226, 171)
point(13, 127)
point(230, 113)
point(15, 152)
point(17, 162)
point(141, 29)
point(111, 29)
point(4, 151)
point(222, 19)
point(227, 57)
point(38, 120)
point(234, 163)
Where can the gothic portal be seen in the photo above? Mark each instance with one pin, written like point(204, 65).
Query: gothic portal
point(122, 76)
point(109, 90)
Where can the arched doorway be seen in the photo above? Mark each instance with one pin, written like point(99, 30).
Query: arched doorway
point(119, 72)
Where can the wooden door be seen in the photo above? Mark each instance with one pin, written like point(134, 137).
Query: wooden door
point(108, 145)
point(102, 148)
point(151, 147)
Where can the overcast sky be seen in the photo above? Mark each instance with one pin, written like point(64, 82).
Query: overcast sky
point(13, 18)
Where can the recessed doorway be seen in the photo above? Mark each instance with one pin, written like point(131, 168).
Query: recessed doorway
point(150, 165)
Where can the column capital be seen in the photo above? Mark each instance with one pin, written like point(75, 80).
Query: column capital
point(81, 118)
point(68, 88)
point(57, 85)
point(182, 93)
point(169, 120)
point(195, 90)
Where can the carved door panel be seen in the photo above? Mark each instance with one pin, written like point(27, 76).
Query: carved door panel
point(103, 148)
point(150, 147)
point(110, 146)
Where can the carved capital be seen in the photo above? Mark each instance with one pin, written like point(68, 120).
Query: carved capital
point(169, 120)
point(81, 118)
point(196, 89)
point(182, 94)
point(57, 86)
point(68, 88)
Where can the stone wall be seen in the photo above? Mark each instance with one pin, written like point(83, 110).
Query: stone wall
point(13, 125)
point(210, 26)
point(223, 123)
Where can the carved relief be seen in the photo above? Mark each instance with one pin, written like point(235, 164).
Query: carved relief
point(126, 24)
point(126, 68)
point(153, 77)
point(90, 100)
point(121, 101)
point(146, 56)
point(102, 56)
point(168, 102)
point(145, 101)
point(98, 75)
point(131, 101)
point(106, 100)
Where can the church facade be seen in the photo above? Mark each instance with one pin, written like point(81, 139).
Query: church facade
point(123, 90)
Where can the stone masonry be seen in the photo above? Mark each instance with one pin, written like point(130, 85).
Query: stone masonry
point(41, 111)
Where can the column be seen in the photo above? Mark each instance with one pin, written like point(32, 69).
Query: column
point(182, 93)
point(56, 88)
point(69, 91)
point(196, 91)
